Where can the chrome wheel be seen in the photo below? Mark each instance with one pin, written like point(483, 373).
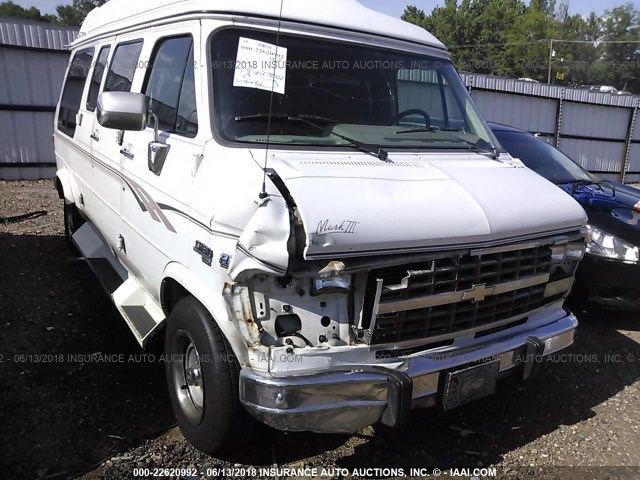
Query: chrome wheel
point(202, 378)
point(187, 376)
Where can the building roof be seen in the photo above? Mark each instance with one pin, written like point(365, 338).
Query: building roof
point(18, 32)
point(342, 14)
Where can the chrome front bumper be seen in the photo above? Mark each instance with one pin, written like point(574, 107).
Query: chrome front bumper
point(349, 399)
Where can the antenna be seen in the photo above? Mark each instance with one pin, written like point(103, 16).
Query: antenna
point(263, 194)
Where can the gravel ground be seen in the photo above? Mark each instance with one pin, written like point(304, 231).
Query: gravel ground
point(64, 415)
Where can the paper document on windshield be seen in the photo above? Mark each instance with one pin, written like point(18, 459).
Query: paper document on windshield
point(260, 65)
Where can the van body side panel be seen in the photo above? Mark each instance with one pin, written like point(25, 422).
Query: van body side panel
point(71, 150)
point(155, 206)
point(106, 152)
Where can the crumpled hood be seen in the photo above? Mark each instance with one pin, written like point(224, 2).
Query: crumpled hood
point(359, 205)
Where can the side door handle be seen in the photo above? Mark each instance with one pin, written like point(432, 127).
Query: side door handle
point(94, 136)
point(126, 153)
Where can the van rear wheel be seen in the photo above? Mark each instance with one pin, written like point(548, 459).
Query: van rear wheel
point(202, 376)
point(72, 222)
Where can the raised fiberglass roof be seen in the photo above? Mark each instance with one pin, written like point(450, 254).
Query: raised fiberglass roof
point(343, 14)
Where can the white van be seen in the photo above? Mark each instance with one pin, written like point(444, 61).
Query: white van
point(307, 205)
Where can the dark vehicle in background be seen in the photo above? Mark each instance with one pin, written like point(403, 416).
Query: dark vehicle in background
point(610, 273)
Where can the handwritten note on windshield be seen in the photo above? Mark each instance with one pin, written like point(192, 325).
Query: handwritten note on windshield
point(260, 65)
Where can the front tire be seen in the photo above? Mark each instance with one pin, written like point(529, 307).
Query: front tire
point(202, 376)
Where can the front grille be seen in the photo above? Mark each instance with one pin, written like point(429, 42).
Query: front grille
point(439, 281)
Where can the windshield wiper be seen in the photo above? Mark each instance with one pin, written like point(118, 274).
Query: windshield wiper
point(311, 120)
point(431, 128)
point(481, 145)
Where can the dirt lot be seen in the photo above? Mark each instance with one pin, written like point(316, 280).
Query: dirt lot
point(64, 414)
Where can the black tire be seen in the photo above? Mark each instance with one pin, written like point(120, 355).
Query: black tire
point(211, 418)
point(72, 222)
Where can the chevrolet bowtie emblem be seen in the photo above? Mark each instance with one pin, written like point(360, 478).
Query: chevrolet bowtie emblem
point(478, 293)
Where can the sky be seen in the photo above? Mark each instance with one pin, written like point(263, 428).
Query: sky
point(392, 7)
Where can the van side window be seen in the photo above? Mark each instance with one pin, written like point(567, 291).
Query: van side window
point(72, 93)
point(96, 79)
point(170, 86)
point(123, 66)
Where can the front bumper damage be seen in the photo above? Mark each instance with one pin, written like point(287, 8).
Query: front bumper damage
point(346, 400)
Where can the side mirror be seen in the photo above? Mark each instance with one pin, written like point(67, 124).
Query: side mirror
point(122, 110)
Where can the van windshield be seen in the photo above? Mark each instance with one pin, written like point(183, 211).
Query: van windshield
point(379, 97)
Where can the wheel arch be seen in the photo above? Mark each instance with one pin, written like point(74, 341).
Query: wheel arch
point(179, 282)
point(62, 182)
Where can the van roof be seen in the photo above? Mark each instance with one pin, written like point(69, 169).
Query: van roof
point(342, 14)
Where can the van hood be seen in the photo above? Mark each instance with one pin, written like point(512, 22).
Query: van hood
point(358, 205)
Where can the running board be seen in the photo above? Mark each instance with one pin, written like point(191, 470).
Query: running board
point(139, 309)
point(99, 257)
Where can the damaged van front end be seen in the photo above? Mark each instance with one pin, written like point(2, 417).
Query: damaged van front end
point(389, 254)
point(360, 304)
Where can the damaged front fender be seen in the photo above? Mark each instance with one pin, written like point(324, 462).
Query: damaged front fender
point(239, 306)
point(263, 245)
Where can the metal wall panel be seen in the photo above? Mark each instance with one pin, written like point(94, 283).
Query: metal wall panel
point(634, 158)
point(31, 78)
point(612, 177)
point(33, 60)
point(23, 33)
point(595, 121)
point(585, 114)
point(636, 130)
point(27, 173)
point(527, 113)
point(26, 137)
point(490, 82)
point(593, 155)
point(512, 85)
point(634, 178)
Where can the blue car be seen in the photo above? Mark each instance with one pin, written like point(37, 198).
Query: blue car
point(610, 273)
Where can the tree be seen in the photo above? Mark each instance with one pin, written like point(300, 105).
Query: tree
point(513, 39)
point(577, 61)
point(474, 30)
point(74, 15)
point(528, 43)
point(10, 9)
point(621, 25)
point(414, 15)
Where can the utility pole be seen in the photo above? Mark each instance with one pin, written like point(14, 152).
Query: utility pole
point(551, 52)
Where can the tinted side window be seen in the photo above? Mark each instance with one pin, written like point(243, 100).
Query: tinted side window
point(96, 78)
point(123, 66)
point(72, 93)
point(170, 86)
